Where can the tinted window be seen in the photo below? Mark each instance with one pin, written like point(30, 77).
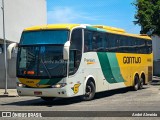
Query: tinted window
point(149, 46)
point(125, 44)
point(44, 37)
point(113, 41)
point(42, 61)
point(94, 41)
point(108, 42)
point(75, 51)
point(88, 36)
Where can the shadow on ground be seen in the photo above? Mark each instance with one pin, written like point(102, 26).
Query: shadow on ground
point(67, 101)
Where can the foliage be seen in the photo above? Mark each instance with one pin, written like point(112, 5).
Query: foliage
point(148, 16)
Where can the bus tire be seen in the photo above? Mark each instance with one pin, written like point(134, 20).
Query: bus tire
point(89, 91)
point(136, 83)
point(141, 83)
point(48, 99)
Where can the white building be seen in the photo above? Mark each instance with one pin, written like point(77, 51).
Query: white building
point(19, 14)
point(156, 54)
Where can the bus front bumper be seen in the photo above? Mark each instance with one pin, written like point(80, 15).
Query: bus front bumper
point(42, 92)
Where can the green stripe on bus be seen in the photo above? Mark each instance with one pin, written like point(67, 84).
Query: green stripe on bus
point(106, 68)
point(44, 81)
point(54, 81)
point(91, 28)
point(50, 81)
point(115, 67)
point(110, 67)
point(95, 29)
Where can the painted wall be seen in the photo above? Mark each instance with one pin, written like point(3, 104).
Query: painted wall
point(156, 47)
point(1, 30)
point(19, 14)
point(156, 53)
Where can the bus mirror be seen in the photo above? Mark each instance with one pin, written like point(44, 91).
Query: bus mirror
point(11, 48)
point(66, 50)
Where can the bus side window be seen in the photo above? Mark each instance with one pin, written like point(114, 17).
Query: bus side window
point(75, 51)
point(149, 47)
point(132, 45)
point(100, 42)
point(113, 42)
point(122, 44)
point(93, 41)
point(105, 42)
point(88, 36)
point(108, 38)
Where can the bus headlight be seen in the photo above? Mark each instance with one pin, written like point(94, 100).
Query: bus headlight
point(59, 85)
point(20, 84)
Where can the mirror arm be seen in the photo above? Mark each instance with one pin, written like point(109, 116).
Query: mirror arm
point(10, 48)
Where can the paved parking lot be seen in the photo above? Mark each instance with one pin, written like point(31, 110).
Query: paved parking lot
point(147, 99)
point(116, 100)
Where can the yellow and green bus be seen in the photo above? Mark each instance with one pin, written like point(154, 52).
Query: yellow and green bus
point(67, 60)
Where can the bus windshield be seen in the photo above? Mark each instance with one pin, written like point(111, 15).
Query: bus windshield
point(43, 61)
point(44, 37)
point(40, 54)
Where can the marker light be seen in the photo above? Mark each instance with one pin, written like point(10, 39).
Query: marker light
point(59, 85)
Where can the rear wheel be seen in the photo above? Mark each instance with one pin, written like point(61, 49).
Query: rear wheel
point(141, 83)
point(89, 91)
point(136, 83)
point(49, 99)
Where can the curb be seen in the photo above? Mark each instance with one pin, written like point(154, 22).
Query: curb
point(155, 81)
point(156, 77)
point(9, 95)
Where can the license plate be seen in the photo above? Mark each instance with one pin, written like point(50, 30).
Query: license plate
point(37, 93)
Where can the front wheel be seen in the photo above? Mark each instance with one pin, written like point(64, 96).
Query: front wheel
point(48, 99)
point(89, 91)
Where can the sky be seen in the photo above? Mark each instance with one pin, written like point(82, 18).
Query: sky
point(115, 13)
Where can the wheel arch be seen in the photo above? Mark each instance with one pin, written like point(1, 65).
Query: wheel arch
point(89, 78)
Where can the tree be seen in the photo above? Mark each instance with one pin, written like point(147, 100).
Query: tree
point(148, 16)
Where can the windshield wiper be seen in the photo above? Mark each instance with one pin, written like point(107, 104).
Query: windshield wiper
point(27, 67)
point(46, 68)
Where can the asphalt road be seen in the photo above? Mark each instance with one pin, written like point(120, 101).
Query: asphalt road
point(147, 99)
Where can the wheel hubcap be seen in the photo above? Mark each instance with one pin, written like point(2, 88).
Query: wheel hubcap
point(88, 90)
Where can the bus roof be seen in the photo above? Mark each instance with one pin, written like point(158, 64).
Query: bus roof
point(121, 32)
point(99, 28)
point(52, 26)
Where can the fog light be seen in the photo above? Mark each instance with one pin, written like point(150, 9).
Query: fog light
point(20, 84)
point(59, 85)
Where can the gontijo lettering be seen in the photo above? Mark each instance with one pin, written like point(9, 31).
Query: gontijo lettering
point(131, 60)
